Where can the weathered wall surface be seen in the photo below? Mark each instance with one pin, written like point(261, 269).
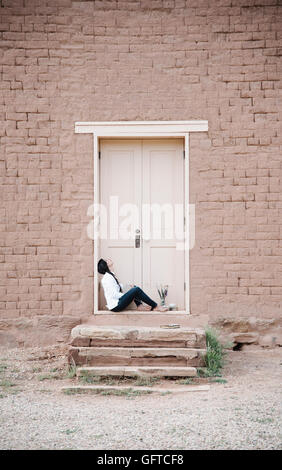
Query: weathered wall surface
point(64, 61)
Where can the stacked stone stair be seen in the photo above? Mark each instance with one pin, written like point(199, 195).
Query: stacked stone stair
point(137, 351)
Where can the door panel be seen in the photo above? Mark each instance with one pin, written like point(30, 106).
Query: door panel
point(147, 173)
point(120, 185)
point(163, 263)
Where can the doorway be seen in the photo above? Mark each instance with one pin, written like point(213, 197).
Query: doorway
point(142, 192)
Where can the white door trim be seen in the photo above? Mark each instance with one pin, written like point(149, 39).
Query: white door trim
point(142, 129)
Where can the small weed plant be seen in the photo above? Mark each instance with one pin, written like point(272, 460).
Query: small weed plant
point(71, 371)
point(215, 355)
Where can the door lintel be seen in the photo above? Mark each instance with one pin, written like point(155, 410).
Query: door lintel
point(137, 128)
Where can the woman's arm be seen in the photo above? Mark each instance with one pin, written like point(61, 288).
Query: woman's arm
point(111, 288)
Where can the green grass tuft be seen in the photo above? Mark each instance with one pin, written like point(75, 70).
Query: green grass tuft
point(49, 377)
point(145, 381)
point(214, 357)
point(87, 378)
point(185, 381)
point(219, 381)
point(6, 384)
point(71, 371)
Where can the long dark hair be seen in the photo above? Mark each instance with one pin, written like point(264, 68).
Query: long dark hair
point(104, 268)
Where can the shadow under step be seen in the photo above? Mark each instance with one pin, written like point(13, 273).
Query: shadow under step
point(126, 356)
point(137, 371)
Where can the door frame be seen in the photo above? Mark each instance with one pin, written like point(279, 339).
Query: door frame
point(142, 129)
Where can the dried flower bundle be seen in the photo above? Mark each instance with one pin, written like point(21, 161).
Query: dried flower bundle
point(162, 290)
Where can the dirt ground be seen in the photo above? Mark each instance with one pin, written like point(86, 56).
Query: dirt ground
point(242, 409)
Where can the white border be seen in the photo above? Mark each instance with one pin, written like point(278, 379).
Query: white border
point(142, 129)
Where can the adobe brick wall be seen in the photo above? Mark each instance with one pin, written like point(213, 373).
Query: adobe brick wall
point(64, 61)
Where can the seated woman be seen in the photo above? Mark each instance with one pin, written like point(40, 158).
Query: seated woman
point(116, 299)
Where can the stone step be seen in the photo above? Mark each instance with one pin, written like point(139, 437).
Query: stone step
point(136, 336)
point(137, 371)
point(137, 318)
point(132, 389)
point(100, 356)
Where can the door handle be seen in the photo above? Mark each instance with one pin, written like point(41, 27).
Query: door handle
point(137, 239)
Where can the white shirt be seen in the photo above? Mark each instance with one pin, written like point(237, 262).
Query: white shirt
point(111, 290)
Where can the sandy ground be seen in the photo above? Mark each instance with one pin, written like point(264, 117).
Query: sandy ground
point(242, 411)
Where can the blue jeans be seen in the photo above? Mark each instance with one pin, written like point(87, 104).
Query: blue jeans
point(134, 294)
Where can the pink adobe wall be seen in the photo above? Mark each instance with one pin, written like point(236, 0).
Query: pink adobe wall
point(64, 61)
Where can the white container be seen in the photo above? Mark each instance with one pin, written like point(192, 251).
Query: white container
point(172, 306)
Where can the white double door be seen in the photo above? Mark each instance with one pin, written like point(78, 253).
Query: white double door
point(142, 227)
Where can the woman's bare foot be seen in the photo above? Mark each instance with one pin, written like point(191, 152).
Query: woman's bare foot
point(160, 308)
point(143, 307)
